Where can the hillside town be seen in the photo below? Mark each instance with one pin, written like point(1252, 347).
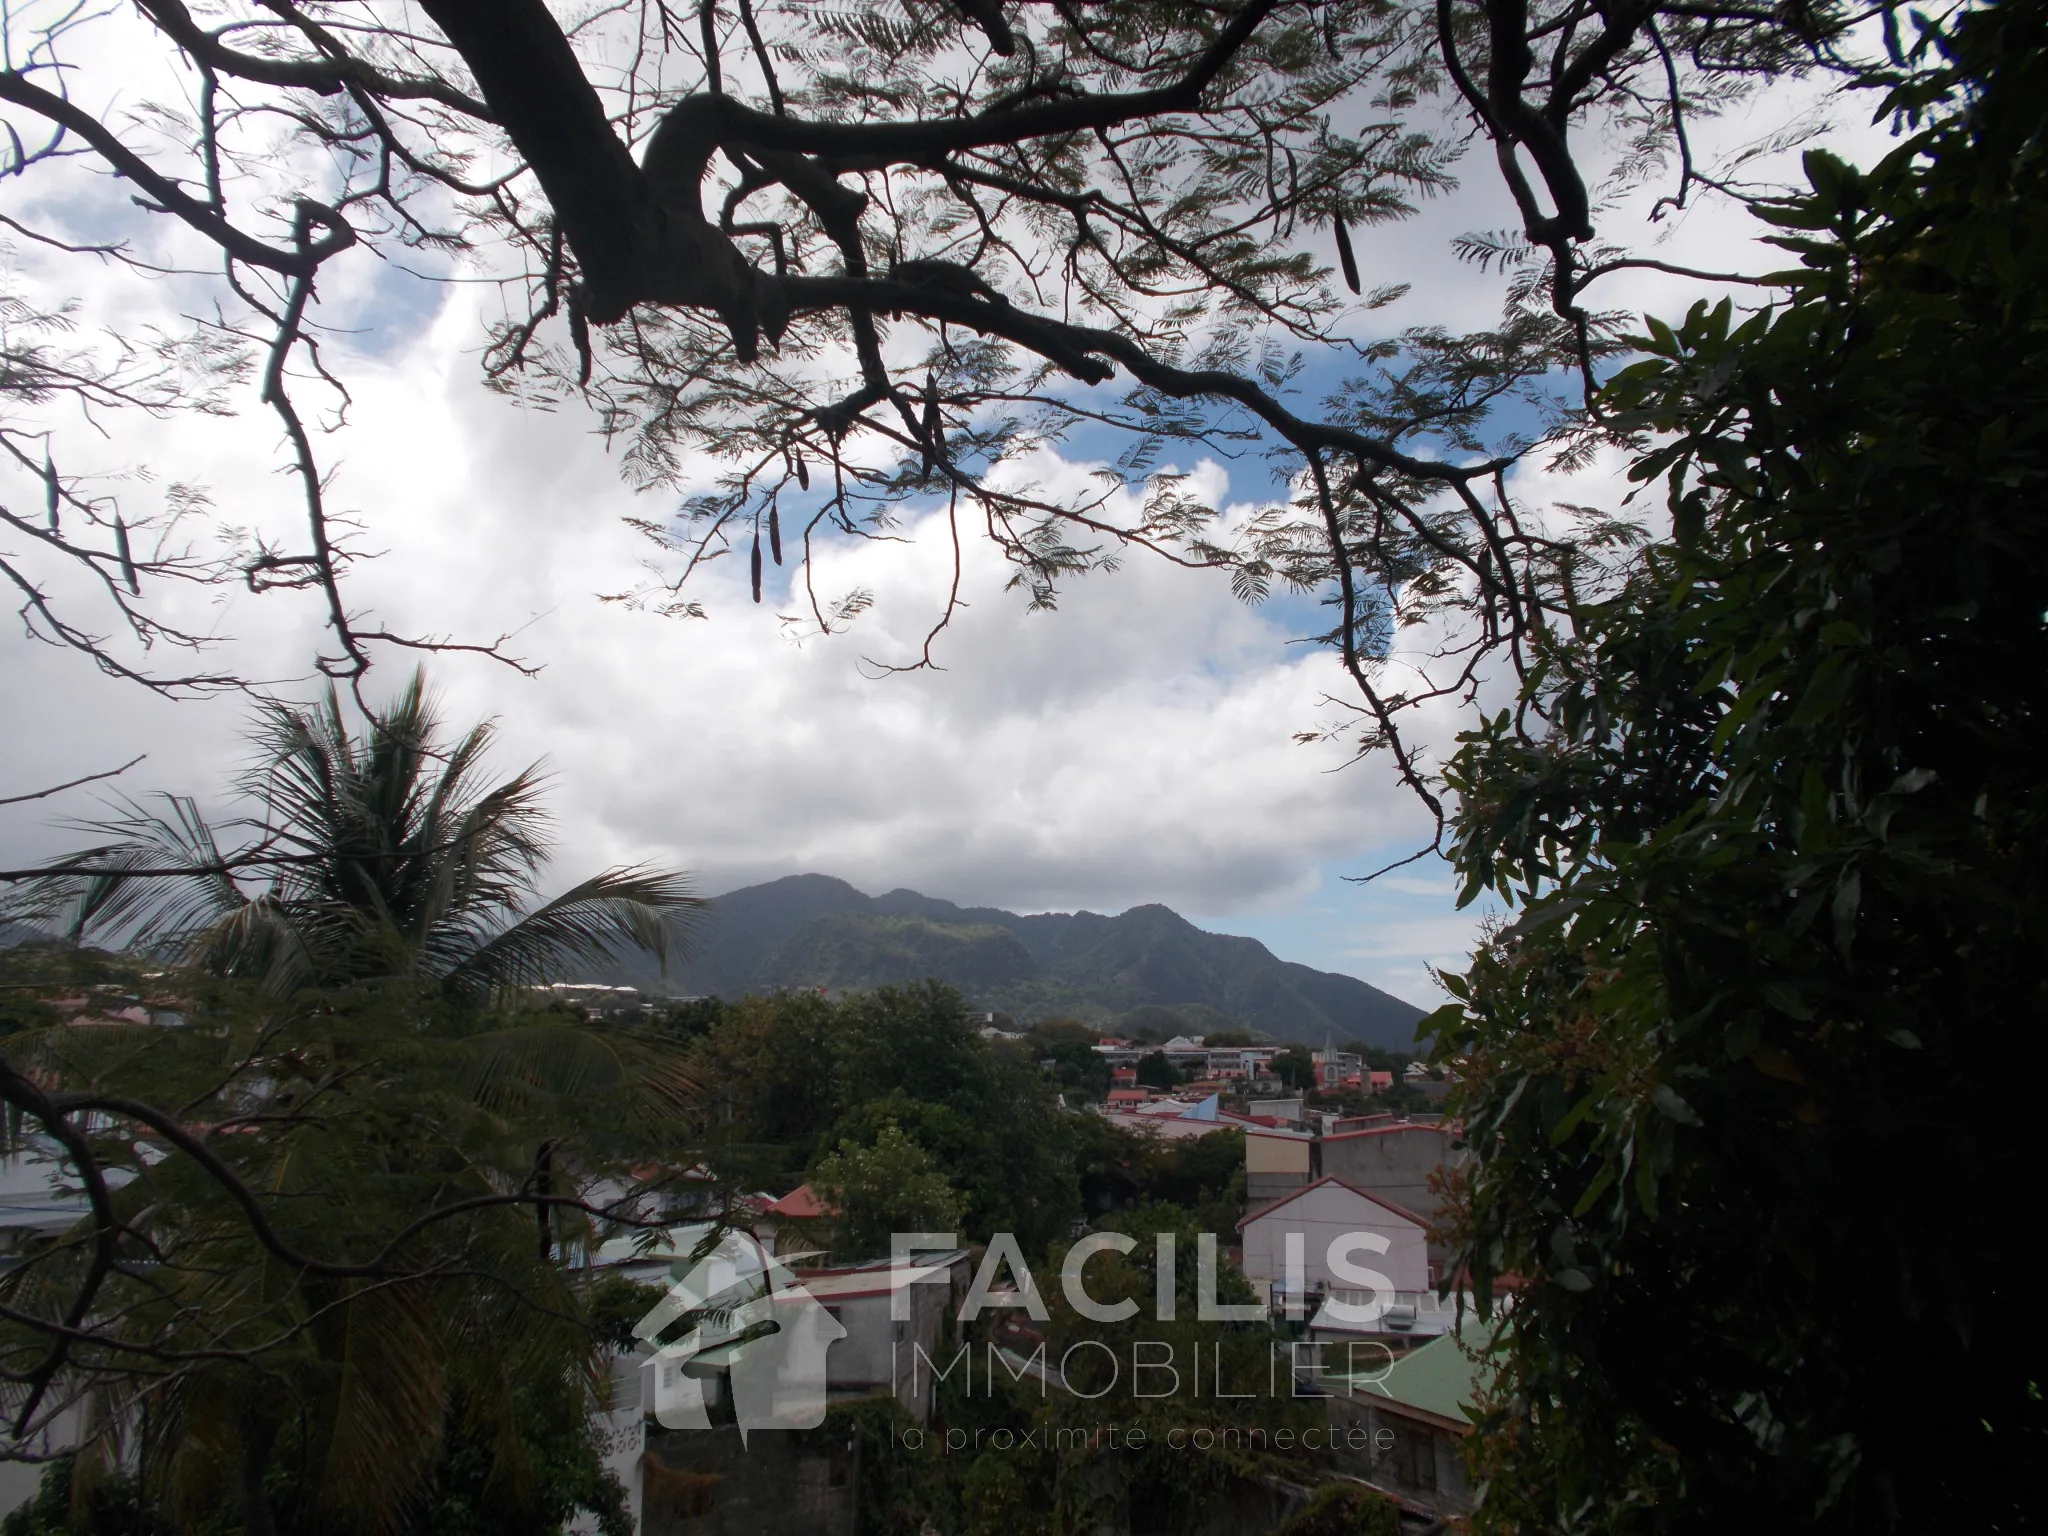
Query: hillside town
point(1022, 767)
point(914, 1339)
point(1394, 1390)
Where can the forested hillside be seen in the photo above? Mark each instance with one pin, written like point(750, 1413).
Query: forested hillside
point(817, 931)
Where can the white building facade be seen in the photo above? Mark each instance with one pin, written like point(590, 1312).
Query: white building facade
point(1338, 1232)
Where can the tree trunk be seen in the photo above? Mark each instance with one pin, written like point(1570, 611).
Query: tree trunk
point(543, 1186)
point(257, 1440)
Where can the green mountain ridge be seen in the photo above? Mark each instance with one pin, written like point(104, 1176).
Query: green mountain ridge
point(817, 931)
point(843, 951)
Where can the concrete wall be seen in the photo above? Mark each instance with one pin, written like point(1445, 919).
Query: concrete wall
point(1394, 1163)
point(1275, 1165)
point(704, 1482)
point(1422, 1462)
point(1322, 1215)
point(878, 1351)
point(861, 1359)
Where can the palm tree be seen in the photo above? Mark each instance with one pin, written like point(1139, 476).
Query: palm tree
point(371, 858)
point(377, 870)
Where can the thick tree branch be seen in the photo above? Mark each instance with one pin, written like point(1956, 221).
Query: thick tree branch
point(1086, 353)
point(537, 90)
point(328, 76)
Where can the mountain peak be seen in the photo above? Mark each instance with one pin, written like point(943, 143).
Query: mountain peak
point(813, 930)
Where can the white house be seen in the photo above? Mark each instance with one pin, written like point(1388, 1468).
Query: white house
point(878, 1354)
point(1328, 1217)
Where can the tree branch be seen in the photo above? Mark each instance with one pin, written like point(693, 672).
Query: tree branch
point(168, 196)
point(58, 789)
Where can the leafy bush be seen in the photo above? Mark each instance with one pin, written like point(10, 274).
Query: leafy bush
point(1748, 1081)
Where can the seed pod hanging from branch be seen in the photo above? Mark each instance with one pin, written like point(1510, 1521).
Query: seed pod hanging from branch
point(1346, 257)
point(579, 333)
point(127, 561)
point(757, 562)
point(803, 472)
point(774, 534)
point(932, 425)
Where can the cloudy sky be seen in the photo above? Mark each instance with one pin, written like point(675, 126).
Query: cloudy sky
point(1135, 746)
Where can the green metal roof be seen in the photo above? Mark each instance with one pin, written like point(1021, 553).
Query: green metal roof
point(1441, 1377)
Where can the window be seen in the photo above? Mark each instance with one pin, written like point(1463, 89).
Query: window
point(1421, 1450)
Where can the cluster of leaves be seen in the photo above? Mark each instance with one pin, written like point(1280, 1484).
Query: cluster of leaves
point(886, 1185)
point(383, 1300)
point(468, 1493)
point(1344, 1509)
point(1156, 1071)
point(1065, 1048)
point(905, 1119)
point(1750, 1079)
point(1296, 1069)
point(109, 1507)
point(560, 1474)
point(1197, 1180)
point(894, 1079)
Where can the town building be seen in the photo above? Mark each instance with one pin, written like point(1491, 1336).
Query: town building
point(1317, 1219)
point(1413, 1413)
point(800, 1220)
point(1276, 1162)
point(1337, 1070)
point(713, 1481)
point(1404, 1162)
point(1410, 1318)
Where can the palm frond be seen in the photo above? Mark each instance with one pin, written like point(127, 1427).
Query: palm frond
point(511, 1068)
point(113, 902)
point(612, 914)
point(517, 1068)
point(391, 1404)
point(396, 857)
point(477, 870)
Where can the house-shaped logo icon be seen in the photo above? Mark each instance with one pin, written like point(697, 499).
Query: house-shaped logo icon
point(748, 1317)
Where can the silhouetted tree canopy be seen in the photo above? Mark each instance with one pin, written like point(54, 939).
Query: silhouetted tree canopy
point(860, 253)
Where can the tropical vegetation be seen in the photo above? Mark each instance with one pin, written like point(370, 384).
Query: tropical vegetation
point(379, 856)
point(1750, 1077)
point(336, 1164)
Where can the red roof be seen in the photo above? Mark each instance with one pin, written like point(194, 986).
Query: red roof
point(1331, 1178)
point(800, 1204)
point(1129, 1095)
